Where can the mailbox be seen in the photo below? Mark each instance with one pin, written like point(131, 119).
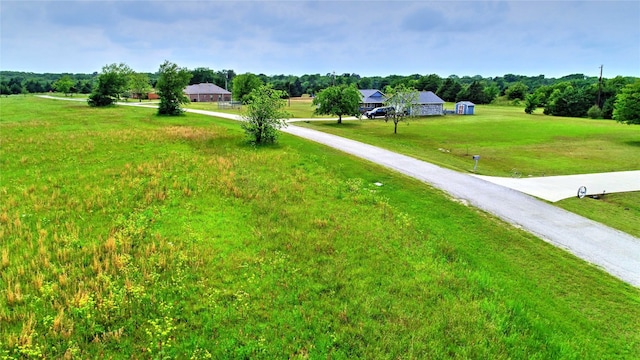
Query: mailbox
point(476, 157)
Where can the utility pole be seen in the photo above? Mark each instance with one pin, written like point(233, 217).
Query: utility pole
point(600, 88)
point(334, 78)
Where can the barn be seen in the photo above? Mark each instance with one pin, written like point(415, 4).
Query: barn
point(207, 92)
point(428, 104)
point(465, 108)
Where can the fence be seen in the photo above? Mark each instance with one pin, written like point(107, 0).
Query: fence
point(229, 105)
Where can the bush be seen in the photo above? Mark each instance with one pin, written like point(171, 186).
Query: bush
point(594, 112)
point(97, 99)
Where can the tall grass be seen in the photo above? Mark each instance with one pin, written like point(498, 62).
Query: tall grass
point(124, 234)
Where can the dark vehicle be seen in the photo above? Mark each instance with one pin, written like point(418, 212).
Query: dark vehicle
point(379, 111)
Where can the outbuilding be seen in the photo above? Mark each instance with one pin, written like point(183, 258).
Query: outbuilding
point(465, 108)
point(428, 104)
point(207, 92)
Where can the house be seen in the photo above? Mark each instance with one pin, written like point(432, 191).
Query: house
point(371, 98)
point(207, 92)
point(465, 108)
point(428, 104)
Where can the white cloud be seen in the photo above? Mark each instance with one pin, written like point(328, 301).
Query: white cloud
point(490, 38)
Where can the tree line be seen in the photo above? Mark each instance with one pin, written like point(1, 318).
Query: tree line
point(573, 95)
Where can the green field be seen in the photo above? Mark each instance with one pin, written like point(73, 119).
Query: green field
point(127, 234)
point(509, 140)
point(506, 138)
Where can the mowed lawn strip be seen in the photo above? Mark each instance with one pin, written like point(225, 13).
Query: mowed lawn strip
point(126, 233)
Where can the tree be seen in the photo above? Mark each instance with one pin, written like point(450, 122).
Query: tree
point(517, 90)
point(403, 99)
point(531, 102)
point(429, 83)
point(265, 115)
point(491, 92)
point(449, 89)
point(202, 75)
point(476, 94)
point(170, 87)
point(113, 81)
point(63, 85)
point(626, 109)
point(574, 102)
point(337, 101)
point(139, 84)
point(243, 85)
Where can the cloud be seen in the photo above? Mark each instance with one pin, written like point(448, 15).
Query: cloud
point(297, 37)
point(459, 16)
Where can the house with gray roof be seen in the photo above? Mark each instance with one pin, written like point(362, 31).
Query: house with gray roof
point(428, 104)
point(371, 98)
point(207, 92)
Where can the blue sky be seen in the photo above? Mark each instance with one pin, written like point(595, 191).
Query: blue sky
point(488, 38)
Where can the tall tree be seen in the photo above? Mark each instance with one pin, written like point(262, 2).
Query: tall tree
point(626, 109)
point(403, 99)
point(139, 85)
point(475, 93)
point(63, 85)
point(449, 89)
point(202, 75)
point(338, 101)
point(243, 85)
point(265, 115)
point(113, 81)
point(171, 84)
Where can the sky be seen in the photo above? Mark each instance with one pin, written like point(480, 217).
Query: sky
point(369, 38)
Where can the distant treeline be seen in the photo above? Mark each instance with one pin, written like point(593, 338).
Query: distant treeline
point(571, 95)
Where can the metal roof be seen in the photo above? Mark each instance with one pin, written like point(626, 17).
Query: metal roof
point(205, 88)
point(428, 97)
point(468, 103)
point(372, 96)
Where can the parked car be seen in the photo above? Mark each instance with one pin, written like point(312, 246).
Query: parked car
point(379, 111)
point(364, 109)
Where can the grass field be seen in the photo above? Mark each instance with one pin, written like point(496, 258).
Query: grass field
point(506, 138)
point(127, 234)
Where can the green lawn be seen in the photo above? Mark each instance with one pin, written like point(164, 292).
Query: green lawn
point(506, 138)
point(125, 234)
point(298, 108)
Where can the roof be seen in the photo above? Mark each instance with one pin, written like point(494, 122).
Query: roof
point(468, 103)
point(428, 97)
point(372, 96)
point(205, 88)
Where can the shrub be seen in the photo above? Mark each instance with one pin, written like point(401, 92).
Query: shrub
point(594, 112)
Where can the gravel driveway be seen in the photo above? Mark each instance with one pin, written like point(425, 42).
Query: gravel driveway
point(616, 252)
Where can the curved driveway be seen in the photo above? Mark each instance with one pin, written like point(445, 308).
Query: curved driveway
point(615, 252)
